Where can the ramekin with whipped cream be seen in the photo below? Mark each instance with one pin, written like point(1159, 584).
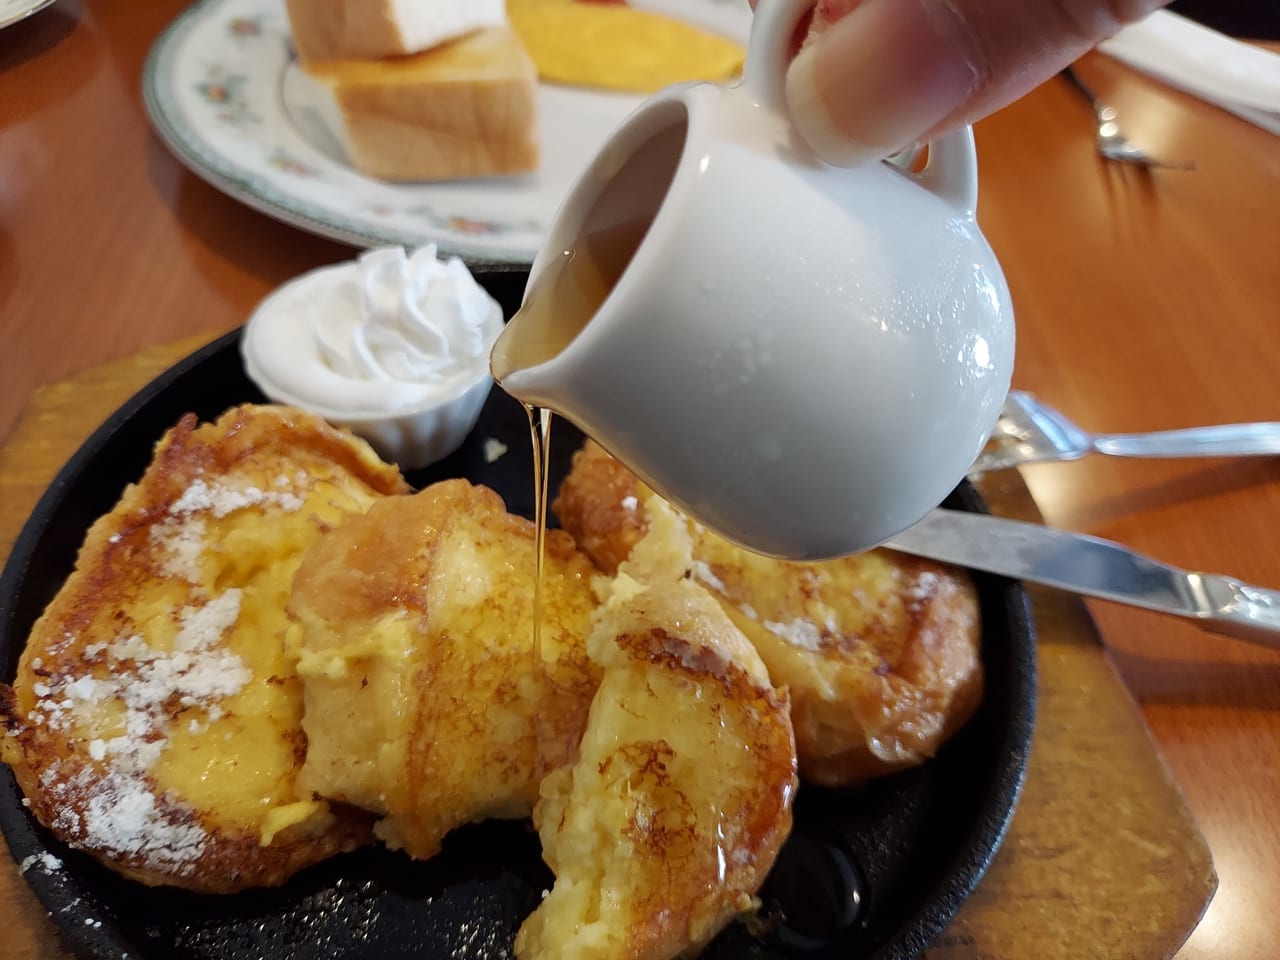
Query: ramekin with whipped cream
point(393, 346)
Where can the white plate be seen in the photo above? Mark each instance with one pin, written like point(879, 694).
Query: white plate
point(11, 11)
point(212, 86)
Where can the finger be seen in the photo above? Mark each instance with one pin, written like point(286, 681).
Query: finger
point(827, 12)
point(891, 72)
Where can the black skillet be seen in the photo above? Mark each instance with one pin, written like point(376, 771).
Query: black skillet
point(873, 872)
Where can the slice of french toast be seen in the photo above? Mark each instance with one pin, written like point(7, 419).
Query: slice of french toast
point(666, 826)
point(425, 700)
point(155, 719)
point(881, 651)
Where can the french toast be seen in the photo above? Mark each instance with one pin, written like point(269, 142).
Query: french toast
point(880, 651)
point(155, 720)
point(424, 700)
point(666, 826)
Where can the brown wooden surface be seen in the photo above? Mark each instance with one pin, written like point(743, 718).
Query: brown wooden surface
point(1143, 303)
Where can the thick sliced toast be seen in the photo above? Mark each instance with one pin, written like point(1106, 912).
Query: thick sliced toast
point(468, 108)
point(880, 651)
point(155, 720)
point(666, 826)
point(425, 702)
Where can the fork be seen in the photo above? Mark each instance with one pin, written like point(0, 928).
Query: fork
point(1111, 142)
point(1030, 432)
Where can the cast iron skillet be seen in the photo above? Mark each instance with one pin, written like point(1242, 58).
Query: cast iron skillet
point(873, 872)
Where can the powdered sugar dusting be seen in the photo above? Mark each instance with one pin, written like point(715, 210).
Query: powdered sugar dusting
point(47, 862)
point(222, 499)
point(924, 587)
point(799, 633)
point(494, 450)
point(181, 545)
point(705, 575)
point(181, 537)
point(107, 802)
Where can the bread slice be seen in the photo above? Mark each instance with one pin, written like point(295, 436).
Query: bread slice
point(369, 29)
point(668, 822)
point(881, 652)
point(425, 701)
point(155, 721)
point(465, 109)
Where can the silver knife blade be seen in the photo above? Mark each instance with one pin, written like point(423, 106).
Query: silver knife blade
point(1094, 568)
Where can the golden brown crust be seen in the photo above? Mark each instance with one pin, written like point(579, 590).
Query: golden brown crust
point(680, 800)
point(880, 651)
point(599, 504)
point(417, 636)
point(154, 719)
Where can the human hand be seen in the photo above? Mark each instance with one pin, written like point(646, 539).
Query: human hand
point(874, 76)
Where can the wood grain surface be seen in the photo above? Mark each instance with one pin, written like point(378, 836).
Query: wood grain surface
point(1144, 302)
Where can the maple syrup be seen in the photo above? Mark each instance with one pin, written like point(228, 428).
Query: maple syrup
point(557, 308)
point(571, 288)
point(566, 296)
point(540, 434)
point(568, 293)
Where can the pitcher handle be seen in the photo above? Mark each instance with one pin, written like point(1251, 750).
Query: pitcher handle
point(764, 74)
point(952, 170)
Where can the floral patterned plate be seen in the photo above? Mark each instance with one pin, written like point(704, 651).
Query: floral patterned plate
point(11, 11)
point(213, 89)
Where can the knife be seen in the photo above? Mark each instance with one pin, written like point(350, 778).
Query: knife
point(1094, 568)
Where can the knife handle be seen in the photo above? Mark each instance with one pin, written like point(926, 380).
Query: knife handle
point(1237, 609)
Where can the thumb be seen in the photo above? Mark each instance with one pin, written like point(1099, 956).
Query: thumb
point(888, 73)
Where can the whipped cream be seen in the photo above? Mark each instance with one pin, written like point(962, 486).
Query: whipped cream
point(387, 336)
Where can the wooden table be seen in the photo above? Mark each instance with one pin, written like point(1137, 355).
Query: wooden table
point(1143, 302)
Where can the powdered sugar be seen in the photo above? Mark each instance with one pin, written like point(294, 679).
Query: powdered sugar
point(494, 450)
point(703, 572)
point(221, 499)
point(925, 587)
point(799, 633)
point(181, 537)
point(107, 802)
point(181, 544)
point(47, 862)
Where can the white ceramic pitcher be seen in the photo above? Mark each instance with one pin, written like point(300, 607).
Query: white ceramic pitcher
point(805, 358)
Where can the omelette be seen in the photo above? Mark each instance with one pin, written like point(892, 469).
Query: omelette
point(155, 719)
point(614, 47)
point(668, 822)
point(425, 700)
point(880, 651)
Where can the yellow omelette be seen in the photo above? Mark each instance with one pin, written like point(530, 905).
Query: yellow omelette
point(615, 47)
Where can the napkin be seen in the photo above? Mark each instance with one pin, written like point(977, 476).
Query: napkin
point(1236, 76)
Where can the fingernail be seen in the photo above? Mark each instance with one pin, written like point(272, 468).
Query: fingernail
point(879, 78)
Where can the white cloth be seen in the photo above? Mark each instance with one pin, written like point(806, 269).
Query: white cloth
point(1236, 76)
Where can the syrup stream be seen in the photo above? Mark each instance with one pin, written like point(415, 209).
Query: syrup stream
point(540, 432)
